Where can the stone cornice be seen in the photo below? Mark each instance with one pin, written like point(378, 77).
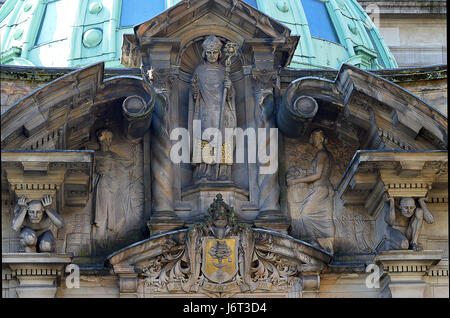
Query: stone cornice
point(398, 75)
point(407, 7)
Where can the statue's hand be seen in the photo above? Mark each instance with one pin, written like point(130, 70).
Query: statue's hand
point(47, 200)
point(195, 86)
point(22, 201)
point(227, 83)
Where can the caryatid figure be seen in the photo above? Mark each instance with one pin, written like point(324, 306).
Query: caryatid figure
point(212, 102)
point(34, 220)
point(416, 215)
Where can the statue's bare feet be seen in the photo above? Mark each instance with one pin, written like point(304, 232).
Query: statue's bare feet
point(415, 247)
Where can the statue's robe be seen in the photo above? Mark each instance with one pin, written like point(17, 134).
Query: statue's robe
point(207, 109)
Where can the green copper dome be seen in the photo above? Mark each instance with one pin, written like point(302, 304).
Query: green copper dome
point(72, 33)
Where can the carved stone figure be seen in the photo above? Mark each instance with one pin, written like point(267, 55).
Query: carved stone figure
point(34, 220)
point(313, 221)
point(109, 217)
point(416, 216)
point(212, 102)
point(220, 219)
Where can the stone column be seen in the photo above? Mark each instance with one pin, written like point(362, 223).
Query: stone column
point(38, 273)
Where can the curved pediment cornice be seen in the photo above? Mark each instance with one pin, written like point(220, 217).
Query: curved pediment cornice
point(191, 260)
point(388, 116)
point(52, 116)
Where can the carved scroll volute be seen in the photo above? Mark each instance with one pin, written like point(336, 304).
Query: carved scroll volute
point(138, 115)
point(295, 113)
point(246, 257)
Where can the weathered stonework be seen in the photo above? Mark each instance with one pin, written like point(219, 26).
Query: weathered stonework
point(361, 174)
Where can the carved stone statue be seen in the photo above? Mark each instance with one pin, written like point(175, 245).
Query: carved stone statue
point(416, 216)
point(212, 102)
point(34, 220)
point(313, 221)
point(109, 217)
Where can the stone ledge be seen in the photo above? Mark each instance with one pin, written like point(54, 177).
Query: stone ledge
point(408, 261)
point(36, 258)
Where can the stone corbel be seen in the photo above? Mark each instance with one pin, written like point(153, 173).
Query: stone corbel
point(65, 175)
point(271, 53)
point(373, 176)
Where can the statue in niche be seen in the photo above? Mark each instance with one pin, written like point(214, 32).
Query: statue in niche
point(312, 218)
point(396, 239)
point(212, 102)
point(34, 220)
point(110, 217)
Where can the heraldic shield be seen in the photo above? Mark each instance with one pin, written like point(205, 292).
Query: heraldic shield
point(220, 258)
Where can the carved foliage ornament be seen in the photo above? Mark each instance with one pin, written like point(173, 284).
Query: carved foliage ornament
point(221, 257)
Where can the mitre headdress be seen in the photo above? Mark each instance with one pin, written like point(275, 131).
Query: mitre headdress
point(212, 43)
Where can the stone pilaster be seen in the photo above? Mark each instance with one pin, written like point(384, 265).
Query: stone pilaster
point(127, 280)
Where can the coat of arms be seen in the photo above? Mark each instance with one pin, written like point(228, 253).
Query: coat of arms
point(220, 248)
point(221, 257)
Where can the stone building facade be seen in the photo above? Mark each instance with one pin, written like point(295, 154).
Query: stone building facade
point(415, 31)
point(347, 195)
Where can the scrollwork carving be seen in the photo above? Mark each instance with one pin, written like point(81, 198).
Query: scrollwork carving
point(220, 257)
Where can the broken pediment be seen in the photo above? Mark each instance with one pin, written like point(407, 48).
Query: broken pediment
point(218, 257)
point(381, 114)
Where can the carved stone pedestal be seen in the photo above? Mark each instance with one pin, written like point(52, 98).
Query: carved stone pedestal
point(37, 272)
point(165, 221)
point(201, 195)
point(406, 269)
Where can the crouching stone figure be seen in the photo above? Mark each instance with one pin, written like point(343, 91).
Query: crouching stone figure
point(33, 219)
point(416, 215)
